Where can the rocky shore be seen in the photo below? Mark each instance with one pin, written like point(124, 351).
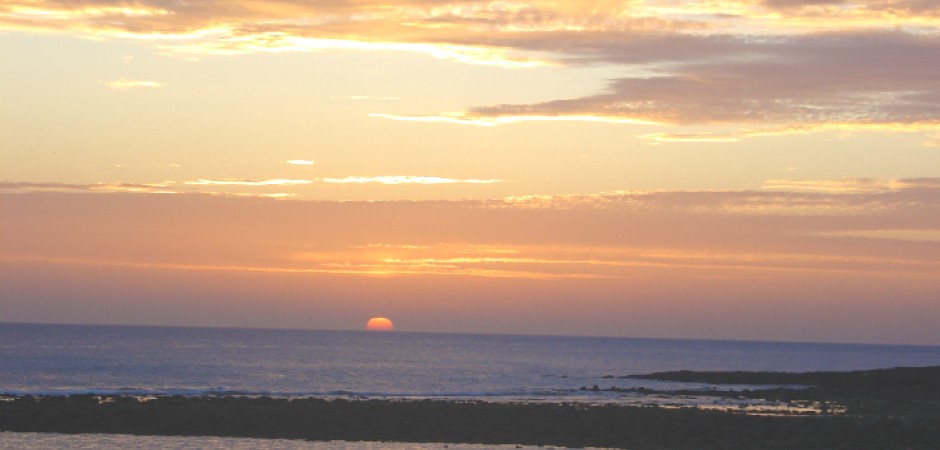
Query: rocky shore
point(886, 409)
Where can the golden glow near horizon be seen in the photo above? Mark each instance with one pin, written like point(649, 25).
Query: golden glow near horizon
point(616, 252)
point(656, 167)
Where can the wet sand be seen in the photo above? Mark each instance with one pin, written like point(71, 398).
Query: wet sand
point(19, 441)
point(897, 408)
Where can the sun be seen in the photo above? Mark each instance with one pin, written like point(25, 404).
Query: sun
point(380, 324)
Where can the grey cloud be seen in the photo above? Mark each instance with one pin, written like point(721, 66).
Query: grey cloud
point(786, 4)
point(702, 72)
point(894, 6)
point(864, 78)
point(913, 203)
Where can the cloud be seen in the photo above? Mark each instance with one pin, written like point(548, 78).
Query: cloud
point(739, 256)
point(123, 84)
point(166, 187)
point(795, 198)
point(846, 186)
point(275, 42)
point(626, 235)
point(376, 268)
point(461, 119)
point(901, 235)
point(370, 97)
point(299, 162)
point(233, 182)
point(788, 85)
point(407, 179)
point(735, 136)
point(747, 65)
point(23, 187)
point(275, 195)
point(850, 197)
point(709, 260)
point(933, 140)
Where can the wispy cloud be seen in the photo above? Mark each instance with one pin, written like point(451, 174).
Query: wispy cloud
point(543, 262)
point(797, 198)
point(370, 97)
point(933, 140)
point(779, 197)
point(465, 119)
point(384, 269)
point(626, 235)
point(299, 162)
point(276, 42)
point(123, 84)
point(845, 186)
point(232, 182)
point(856, 251)
point(407, 179)
point(738, 135)
point(166, 187)
point(752, 67)
point(791, 83)
point(21, 187)
point(900, 235)
point(275, 195)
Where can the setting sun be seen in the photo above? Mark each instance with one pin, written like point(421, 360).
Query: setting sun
point(379, 324)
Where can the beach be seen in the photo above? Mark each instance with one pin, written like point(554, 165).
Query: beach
point(894, 408)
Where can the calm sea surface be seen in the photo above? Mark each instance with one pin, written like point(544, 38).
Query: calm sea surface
point(65, 359)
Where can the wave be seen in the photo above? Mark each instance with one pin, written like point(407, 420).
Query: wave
point(220, 391)
point(596, 389)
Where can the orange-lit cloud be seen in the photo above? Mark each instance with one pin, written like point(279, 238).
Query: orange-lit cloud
point(783, 228)
point(855, 250)
point(166, 187)
point(227, 182)
point(748, 65)
point(933, 140)
point(927, 235)
point(735, 136)
point(370, 97)
point(24, 187)
point(696, 72)
point(805, 198)
point(846, 186)
point(548, 262)
point(461, 119)
point(123, 84)
point(406, 179)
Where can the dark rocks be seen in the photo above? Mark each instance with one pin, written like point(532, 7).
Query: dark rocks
point(905, 419)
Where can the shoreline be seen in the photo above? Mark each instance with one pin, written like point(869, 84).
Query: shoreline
point(890, 408)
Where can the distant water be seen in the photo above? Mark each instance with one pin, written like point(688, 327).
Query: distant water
point(67, 359)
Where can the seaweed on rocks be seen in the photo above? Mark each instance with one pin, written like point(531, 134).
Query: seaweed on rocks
point(898, 415)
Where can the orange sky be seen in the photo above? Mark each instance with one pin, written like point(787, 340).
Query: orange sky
point(742, 169)
point(714, 265)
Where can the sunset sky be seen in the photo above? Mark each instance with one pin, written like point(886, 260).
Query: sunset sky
point(752, 169)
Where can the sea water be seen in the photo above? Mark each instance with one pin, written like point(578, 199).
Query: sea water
point(136, 360)
point(125, 360)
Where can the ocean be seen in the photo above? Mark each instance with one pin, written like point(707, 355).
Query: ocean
point(136, 360)
point(151, 361)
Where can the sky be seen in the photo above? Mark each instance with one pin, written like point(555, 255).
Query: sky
point(719, 169)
